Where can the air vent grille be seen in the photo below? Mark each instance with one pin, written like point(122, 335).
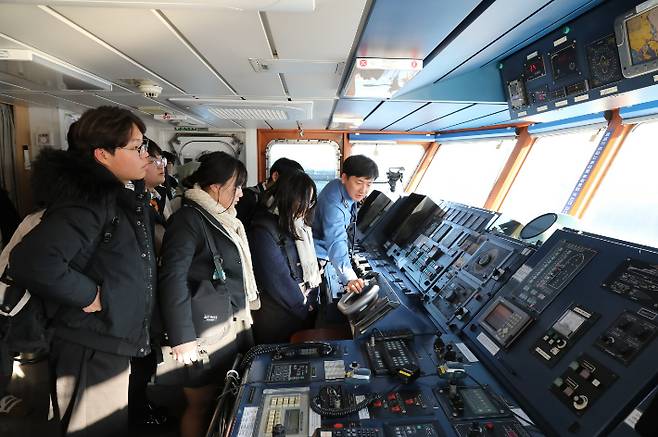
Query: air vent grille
point(248, 114)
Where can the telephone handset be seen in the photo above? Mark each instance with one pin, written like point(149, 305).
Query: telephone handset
point(352, 303)
point(391, 356)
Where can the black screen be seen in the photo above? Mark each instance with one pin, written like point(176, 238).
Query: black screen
point(564, 62)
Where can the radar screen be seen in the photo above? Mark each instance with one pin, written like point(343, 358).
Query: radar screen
point(603, 62)
point(564, 62)
point(534, 68)
point(517, 95)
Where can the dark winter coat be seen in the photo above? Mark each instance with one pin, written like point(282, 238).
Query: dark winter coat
point(95, 233)
point(186, 261)
point(277, 267)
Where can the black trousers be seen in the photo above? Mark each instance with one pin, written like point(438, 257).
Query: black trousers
point(142, 370)
point(90, 393)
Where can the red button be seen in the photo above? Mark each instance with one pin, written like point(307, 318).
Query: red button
point(489, 426)
point(396, 409)
point(377, 404)
point(391, 397)
point(409, 401)
point(338, 425)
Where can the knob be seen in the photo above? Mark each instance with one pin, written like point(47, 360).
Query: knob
point(580, 402)
point(484, 259)
point(279, 430)
point(474, 430)
point(608, 340)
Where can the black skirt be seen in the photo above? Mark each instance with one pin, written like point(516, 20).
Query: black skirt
point(275, 324)
point(220, 357)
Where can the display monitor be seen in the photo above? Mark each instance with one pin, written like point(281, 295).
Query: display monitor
point(636, 32)
point(372, 209)
point(410, 222)
point(564, 62)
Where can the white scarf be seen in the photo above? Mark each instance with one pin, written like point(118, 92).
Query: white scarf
point(307, 256)
point(235, 230)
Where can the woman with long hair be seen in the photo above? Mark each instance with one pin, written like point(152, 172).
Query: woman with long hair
point(285, 263)
point(206, 285)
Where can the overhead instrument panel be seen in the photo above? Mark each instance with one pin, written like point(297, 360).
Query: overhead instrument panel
point(607, 53)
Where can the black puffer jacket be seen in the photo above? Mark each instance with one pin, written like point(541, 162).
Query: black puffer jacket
point(95, 232)
point(186, 261)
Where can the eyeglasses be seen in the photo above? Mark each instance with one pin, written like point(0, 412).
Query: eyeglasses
point(159, 162)
point(141, 150)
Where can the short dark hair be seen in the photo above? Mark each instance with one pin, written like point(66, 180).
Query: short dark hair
point(283, 165)
point(293, 193)
point(70, 135)
point(171, 158)
point(360, 166)
point(106, 127)
point(217, 168)
point(153, 148)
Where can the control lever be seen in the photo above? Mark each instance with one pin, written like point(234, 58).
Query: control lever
point(452, 372)
point(352, 302)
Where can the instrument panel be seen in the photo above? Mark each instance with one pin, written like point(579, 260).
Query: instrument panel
point(489, 336)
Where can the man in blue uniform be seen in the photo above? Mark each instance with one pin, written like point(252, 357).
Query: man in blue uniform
point(336, 212)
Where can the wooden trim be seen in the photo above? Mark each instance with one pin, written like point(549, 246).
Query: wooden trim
point(510, 171)
point(598, 173)
point(265, 136)
point(421, 169)
point(22, 138)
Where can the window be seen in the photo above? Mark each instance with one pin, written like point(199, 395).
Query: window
point(320, 159)
point(550, 173)
point(392, 156)
point(465, 171)
point(626, 204)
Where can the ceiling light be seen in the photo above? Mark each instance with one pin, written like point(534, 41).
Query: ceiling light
point(27, 69)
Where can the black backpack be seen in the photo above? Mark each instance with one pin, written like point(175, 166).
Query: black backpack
point(24, 326)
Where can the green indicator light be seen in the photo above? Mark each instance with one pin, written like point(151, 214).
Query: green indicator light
point(566, 30)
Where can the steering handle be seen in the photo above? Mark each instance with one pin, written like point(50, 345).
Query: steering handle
point(352, 302)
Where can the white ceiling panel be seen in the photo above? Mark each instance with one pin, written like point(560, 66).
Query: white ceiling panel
point(38, 29)
point(44, 100)
point(87, 99)
point(309, 86)
point(321, 113)
point(326, 34)
point(5, 44)
point(227, 38)
point(146, 39)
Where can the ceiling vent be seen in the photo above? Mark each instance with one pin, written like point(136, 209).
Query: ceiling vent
point(248, 109)
point(26, 69)
point(296, 66)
